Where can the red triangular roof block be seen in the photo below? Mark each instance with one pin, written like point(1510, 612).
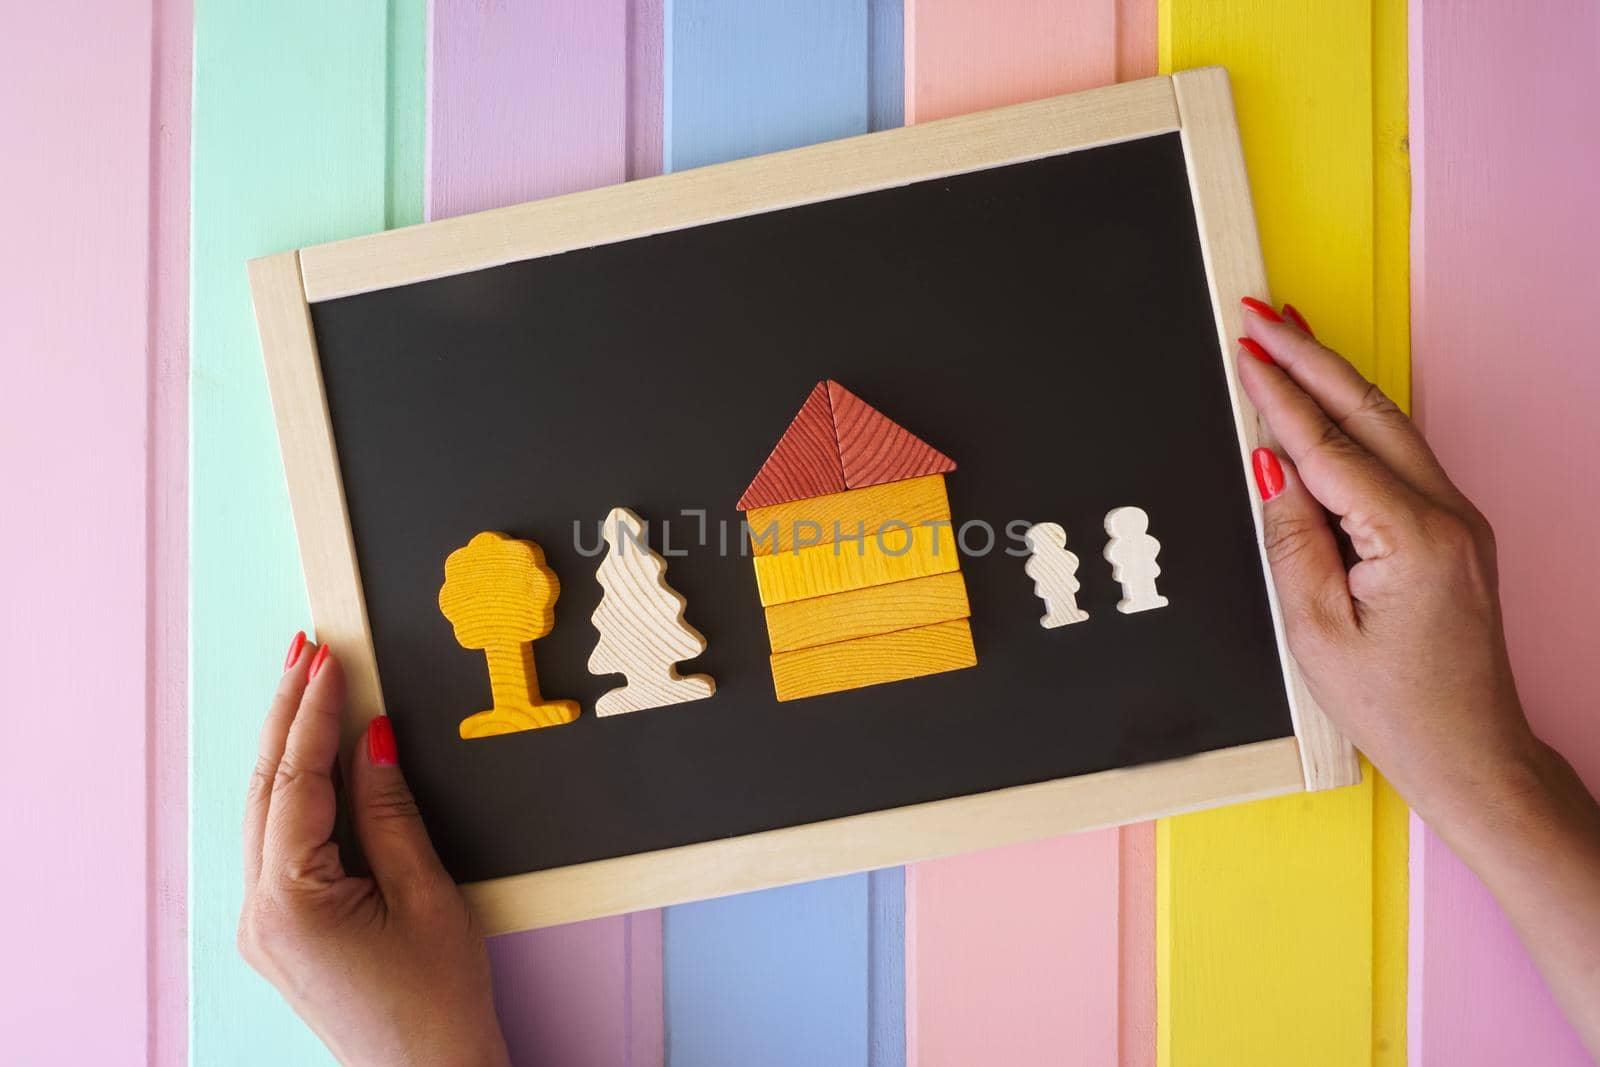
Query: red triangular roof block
point(874, 449)
point(838, 441)
point(805, 461)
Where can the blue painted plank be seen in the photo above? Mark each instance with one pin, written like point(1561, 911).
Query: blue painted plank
point(809, 974)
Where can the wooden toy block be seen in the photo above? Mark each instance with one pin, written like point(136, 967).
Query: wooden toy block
point(642, 631)
point(1131, 551)
point(805, 461)
point(1054, 571)
point(891, 657)
point(874, 449)
point(914, 501)
point(898, 554)
point(877, 609)
point(500, 595)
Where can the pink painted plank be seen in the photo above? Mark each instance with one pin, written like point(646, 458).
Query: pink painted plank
point(1048, 947)
point(168, 578)
point(527, 101)
point(76, 83)
point(1505, 143)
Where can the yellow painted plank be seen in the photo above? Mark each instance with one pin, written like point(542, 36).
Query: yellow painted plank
point(893, 555)
point(877, 609)
point(893, 657)
point(1281, 925)
point(821, 520)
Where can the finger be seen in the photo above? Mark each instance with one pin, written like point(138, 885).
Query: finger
point(1375, 507)
point(301, 817)
point(1307, 568)
point(1354, 404)
point(269, 752)
point(386, 820)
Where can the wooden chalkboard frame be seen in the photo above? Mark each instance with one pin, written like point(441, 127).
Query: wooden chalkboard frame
point(1197, 104)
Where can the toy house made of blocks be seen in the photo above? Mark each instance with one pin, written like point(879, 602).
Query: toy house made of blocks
point(855, 553)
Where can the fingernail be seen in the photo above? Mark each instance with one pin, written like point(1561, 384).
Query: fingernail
point(1260, 307)
point(1252, 346)
point(1269, 473)
point(1292, 313)
point(380, 743)
point(295, 648)
point(316, 662)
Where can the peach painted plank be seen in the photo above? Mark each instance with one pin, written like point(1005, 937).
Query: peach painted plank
point(525, 101)
point(1505, 142)
point(75, 130)
point(1072, 963)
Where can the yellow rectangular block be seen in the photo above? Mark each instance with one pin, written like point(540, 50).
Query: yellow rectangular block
point(914, 501)
point(895, 555)
point(892, 657)
point(877, 609)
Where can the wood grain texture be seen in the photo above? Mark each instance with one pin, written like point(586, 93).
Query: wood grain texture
point(1030, 48)
point(642, 631)
point(894, 553)
point(82, 179)
point(822, 520)
point(1505, 139)
point(1132, 552)
point(307, 83)
point(585, 993)
point(874, 449)
point(805, 461)
point(1054, 571)
point(879, 609)
point(766, 977)
point(1297, 906)
point(864, 661)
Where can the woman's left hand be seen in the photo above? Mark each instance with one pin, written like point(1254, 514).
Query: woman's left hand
point(386, 969)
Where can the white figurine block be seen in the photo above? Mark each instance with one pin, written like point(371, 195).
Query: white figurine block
point(1054, 571)
point(1132, 555)
point(642, 631)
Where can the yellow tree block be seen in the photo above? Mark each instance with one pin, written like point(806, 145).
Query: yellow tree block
point(891, 657)
point(815, 520)
point(500, 596)
point(877, 609)
point(894, 555)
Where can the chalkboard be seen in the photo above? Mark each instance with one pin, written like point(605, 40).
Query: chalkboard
point(1049, 323)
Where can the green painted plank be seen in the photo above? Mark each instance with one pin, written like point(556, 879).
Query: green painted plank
point(296, 109)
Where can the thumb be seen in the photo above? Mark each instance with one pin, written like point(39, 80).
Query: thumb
point(1307, 568)
point(386, 820)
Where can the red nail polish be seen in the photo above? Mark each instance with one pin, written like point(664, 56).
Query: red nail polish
point(295, 648)
point(1292, 313)
point(1261, 307)
point(1269, 473)
point(1252, 346)
point(316, 662)
point(380, 743)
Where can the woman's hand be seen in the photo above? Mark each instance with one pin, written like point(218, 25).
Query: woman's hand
point(1398, 633)
point(387, 969)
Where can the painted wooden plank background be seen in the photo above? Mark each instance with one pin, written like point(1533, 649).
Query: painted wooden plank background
point(806, 974)
point(1506, 133)
point(319, 156)
point(526, 101)
point(1075, 916)
point(1295, 906)
point(76, 109)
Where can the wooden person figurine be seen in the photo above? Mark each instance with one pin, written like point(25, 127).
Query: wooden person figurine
point(642, 632)
point(1132, 555)
point(1054, 571)
point(500, 596)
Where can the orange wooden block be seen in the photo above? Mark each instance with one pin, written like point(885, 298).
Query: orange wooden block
point(878, 609)
point(891, 657)
point(814, 520)
point(896, 555)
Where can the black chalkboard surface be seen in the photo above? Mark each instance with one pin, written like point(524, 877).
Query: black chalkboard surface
point(1047, 324)
point(1039, 292)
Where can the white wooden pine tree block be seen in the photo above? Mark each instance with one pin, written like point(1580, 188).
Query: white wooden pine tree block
point(1054, 571)
point(1131, 551)
point(642, 631)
